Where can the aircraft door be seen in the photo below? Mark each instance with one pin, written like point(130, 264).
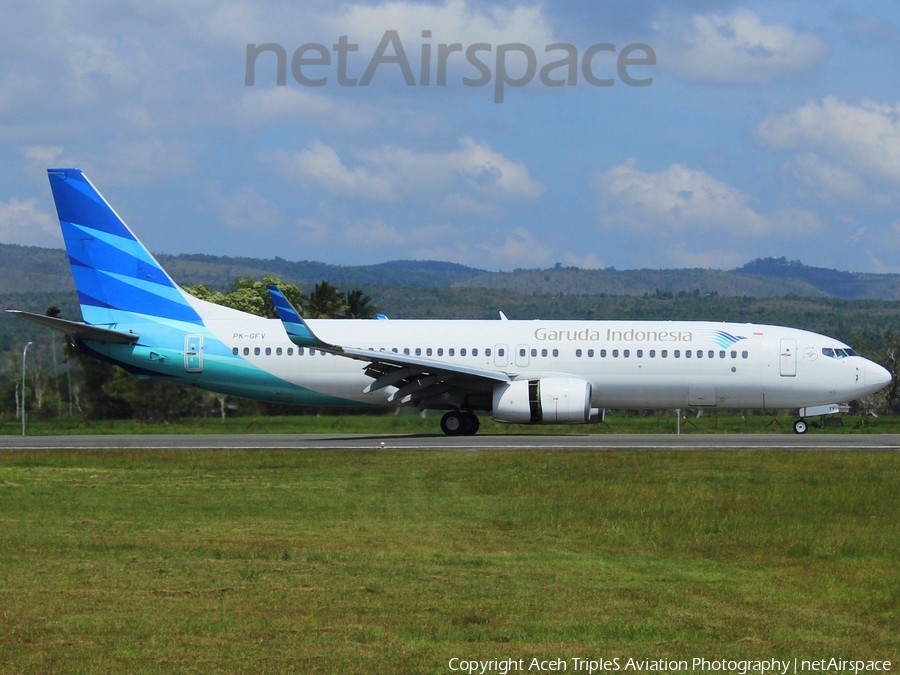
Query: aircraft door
point(193, 353)
point(788, 357)
point(522, 358)
point(501, 355)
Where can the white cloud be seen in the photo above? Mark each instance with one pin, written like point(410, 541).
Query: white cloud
point(260, 106)
point(862, 138)
point(320, 165)
point(819, 179)
point(452, 21)
point(244, 209)
point(23, 222)
point(735, 48)
point(677, 199)
point(470, 178)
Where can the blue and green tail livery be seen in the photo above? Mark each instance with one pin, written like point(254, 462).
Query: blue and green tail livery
point(117, 279)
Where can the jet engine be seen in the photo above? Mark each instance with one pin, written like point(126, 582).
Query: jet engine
point(549, 400)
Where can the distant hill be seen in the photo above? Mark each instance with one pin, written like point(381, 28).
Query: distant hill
point(41, 270)
point(762, 278)
point(834, 283)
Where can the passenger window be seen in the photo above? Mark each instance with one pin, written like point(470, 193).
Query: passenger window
point(475, 352)
point(578, 353)
point(699, 353)
point(677, 353)
point(246, 351)
point(615, 353)
point(395, 350)
point(590, 353)
point(711, 354)
point(543, 352)
point(733, 354)
point(312, 352)
point(640, 353)
point(534, 352)
point(487, 352)
point(501, 352)
point(652, 353)
point(406, 350)
point(290, 351)
point(451, 351)
point(300, 351)
point(418, 351)
point(440, 351)
point(521, 352)
point(462, 352)
point(234, 350)
point(626, 353)
point(278, 351)
point(268, 351)
point(428, 351)
point(744, 354)
point(687, 353)
point(555, 352)
point(602, 353)
point(664, 353)
point(256, 351)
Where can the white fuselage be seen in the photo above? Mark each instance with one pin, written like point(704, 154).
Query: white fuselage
point(629, 364)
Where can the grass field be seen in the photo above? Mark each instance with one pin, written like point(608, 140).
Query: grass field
point(396, 562)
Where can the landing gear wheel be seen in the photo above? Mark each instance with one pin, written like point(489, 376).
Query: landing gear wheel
point(460, 423)
point(453, 423)
point(800, 427)
point(471, 423)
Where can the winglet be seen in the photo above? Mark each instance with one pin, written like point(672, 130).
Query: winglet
point(297, 329)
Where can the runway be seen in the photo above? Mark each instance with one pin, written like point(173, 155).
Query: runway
point(590, 442)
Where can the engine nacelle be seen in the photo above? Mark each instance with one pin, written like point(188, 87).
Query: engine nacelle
point(550, 400)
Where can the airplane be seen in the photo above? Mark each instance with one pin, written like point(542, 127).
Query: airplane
point(523, 372)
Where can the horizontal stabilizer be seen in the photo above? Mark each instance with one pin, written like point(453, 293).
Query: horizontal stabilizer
point(78, 329)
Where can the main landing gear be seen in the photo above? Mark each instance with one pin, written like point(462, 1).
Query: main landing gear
point(800, 426)
point(460, 423)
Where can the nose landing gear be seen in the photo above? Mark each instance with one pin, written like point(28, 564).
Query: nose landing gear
point(800, 426)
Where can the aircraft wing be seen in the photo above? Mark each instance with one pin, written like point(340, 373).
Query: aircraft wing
point(415, 378)
point(79, 330)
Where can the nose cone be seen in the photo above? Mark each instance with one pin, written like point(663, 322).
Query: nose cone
point(877, 378)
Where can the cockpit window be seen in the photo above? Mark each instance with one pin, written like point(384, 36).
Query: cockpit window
point(838, 353)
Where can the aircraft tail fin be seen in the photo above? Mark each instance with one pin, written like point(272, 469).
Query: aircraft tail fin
point(118, 280)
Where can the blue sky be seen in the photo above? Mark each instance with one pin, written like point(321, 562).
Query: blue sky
point(769, 129)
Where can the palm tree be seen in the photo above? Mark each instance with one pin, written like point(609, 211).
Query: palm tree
point(325, 302)
point(359, 306)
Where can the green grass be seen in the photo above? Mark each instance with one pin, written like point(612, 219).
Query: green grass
point(395, 562)
point(621, 422)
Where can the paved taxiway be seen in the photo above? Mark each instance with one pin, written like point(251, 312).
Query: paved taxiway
point(809, 442)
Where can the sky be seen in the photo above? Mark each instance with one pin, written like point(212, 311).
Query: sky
point(699, 133)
